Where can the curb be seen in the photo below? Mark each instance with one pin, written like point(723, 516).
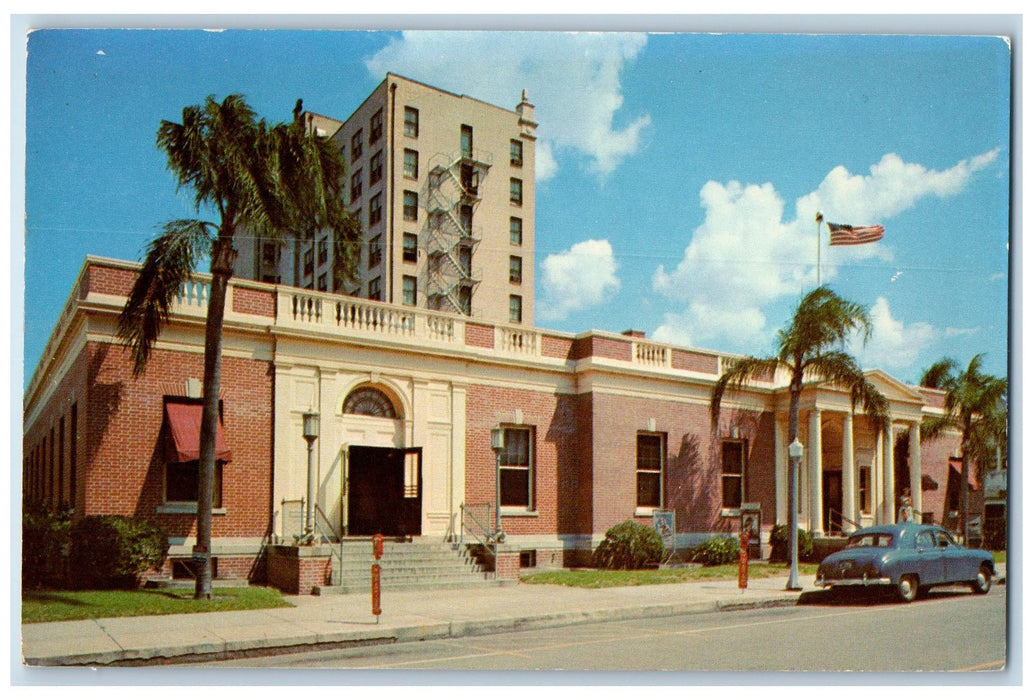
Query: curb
point(228, 650)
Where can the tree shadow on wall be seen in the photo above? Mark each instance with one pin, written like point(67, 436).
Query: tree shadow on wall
point(693, 487)
point(104, 401)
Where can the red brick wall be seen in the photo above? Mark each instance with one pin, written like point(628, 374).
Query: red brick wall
point(508, 566)
point(610, 348)
point(694, 361)
point(296, 575)
point(259, 302)
point(123, 459)
point(935, 454)
point(554, 420)
point(107, 280)
point(553, 346)
point(692, 485)
point(479, 335)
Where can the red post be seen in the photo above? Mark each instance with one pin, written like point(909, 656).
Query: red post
point(378, 551)
point(744, 557)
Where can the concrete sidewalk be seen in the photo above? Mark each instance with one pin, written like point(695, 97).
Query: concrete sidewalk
point(340, 620)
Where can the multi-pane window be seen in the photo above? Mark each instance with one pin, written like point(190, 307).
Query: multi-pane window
point(376, 167)
point(374, 289)
point(409, 247)
point(376, 209)
point(412, 122)
point(270, 253)
point(466, 300)
point(649, 470)
point(356, 145)
point(516, 231)
point(410, 205)
point(308, 262)
point(516, 308)
point(411, 164)
point(321, 283)
point(324, 252)
point(864, 489)
point(375, 252)
point(466, 219)
point(516, 469)
point(466, 141)
point(516, 191)
point(356, 190)
point(516, 153)
point(376, 126)
point(516, 269)
point(408, 290)
point(733, 485)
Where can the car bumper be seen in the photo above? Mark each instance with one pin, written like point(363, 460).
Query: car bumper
point(827, 582)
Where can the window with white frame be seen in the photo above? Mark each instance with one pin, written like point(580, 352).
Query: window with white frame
point(412, 122)
point(733, 472)
point(649, 470)
point(516, 308)
point(516, 231)
point(516, 468)
point(516, 153)
point(408, 290)
point(410, 243)
point(516, 269)
point(516, 191)
point(411, 164)
point(410, 205)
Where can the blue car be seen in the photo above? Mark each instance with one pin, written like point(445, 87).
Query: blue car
point(911, 558)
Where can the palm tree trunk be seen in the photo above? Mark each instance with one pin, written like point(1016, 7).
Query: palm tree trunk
point(222, 270)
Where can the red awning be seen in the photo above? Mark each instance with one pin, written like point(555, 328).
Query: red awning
point(956, 465)
point(184, 434)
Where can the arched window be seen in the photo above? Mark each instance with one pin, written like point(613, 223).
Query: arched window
point(369, 401)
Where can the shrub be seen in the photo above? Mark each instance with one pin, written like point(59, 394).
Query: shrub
point(111, 551)
point(779, 541)
point(716, 550)
point(629, 545)
point(44, 538)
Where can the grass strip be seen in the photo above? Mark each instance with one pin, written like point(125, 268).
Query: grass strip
point(603, 578)
point(53, 605)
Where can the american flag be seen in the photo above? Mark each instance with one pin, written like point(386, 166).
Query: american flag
point(841, 234)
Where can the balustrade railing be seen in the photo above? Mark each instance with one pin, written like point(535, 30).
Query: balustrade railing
point(651, 354)
point(194, 292)
point(519, 341)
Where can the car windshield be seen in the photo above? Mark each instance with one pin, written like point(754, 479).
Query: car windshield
point(870, 539)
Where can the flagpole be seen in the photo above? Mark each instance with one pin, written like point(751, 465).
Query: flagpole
point(818, 218)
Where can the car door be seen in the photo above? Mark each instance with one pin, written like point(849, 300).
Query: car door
point(958, 564)
point(929, 559)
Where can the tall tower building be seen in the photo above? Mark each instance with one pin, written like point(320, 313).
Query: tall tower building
point(443, 185)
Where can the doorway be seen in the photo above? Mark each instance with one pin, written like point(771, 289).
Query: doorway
point(385, 491)
point(832, 498)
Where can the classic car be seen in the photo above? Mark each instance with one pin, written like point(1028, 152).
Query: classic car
point(910, 557)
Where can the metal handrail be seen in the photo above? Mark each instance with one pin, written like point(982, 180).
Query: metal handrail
point(488, 541)
point(842, 519)
point(326, 530)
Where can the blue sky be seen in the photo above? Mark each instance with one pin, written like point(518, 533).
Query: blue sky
point(678, 174)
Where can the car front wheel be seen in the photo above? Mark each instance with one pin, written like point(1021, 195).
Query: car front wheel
point(907, 588)
point(983, 581)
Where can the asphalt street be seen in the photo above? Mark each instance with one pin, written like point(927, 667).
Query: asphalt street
point(948, 630)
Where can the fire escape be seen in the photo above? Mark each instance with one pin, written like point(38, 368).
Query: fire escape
point(453, 195)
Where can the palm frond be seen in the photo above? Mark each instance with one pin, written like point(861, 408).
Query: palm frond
point(170, 260)
point(841, 370)
point(939, 374)
point(822, 320)
point(742, 371)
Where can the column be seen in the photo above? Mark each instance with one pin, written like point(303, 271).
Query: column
point(915, 460)
point(889, 512)
point(781, 473)
point(814, 472)
point(849, 474)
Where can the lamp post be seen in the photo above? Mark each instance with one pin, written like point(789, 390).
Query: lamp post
point(310, 431)
point(498, 443)
point(795, 453)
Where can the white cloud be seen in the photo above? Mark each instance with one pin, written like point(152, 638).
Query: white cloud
point(743, 257)
point(893, 344)
point(583, 276)
point(557, 69)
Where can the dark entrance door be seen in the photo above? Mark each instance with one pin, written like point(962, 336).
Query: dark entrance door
point(832, 498)
point(385, 491)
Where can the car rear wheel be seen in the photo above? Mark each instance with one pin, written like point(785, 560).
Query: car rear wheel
point(907, 588)
point(983, 581)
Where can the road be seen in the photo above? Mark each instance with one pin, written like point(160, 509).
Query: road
point(950, 630)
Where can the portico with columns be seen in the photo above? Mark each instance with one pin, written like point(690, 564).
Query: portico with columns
point(848, 473)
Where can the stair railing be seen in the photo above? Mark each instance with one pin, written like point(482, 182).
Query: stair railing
point(833, 513)
point(325, 530)
point(470, 524)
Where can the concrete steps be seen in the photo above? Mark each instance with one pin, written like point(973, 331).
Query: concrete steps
point(405, 566)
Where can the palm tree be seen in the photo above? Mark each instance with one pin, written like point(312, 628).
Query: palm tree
point(810, 348)
point(273, 181)
point(974, 405)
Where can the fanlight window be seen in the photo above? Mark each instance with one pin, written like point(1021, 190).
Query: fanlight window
point(367, 401)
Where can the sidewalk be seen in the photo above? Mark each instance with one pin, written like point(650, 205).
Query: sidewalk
point(342, 620)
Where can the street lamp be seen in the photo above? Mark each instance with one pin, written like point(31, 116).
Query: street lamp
point(498, 443)
point(795, 453)
point(310, 431)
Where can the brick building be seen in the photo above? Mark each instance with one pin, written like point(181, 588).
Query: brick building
point(597, 428)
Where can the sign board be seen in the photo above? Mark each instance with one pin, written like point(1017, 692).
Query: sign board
point(749, 519)
point(663, 523)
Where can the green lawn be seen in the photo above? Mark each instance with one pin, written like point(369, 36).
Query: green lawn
point(601, 578)
point(51, 606)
